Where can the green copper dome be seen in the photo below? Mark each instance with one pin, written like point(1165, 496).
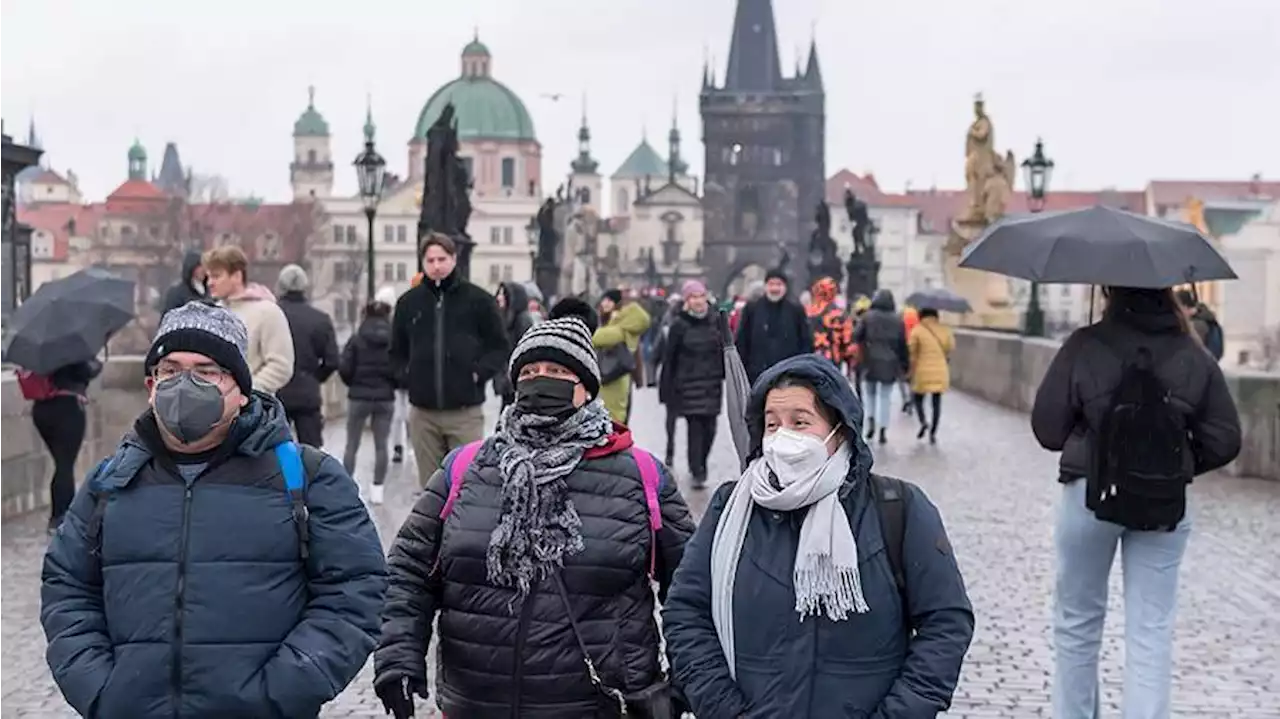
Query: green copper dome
point(137, 152)
point(311, 123)
point(483, 107)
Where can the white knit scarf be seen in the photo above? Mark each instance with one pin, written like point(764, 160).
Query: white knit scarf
point(825, 573)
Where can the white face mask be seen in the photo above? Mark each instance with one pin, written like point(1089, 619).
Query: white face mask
point(796, 456)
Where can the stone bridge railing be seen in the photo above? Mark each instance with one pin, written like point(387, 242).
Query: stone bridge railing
point(1007, 369)
point(116, 399)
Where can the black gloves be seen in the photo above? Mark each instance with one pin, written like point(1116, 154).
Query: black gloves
point(397, 692)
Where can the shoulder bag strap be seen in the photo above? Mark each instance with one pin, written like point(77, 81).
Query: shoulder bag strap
point(582, 646)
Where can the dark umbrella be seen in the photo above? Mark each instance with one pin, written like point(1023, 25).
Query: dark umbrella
point(68, 320)
point(1097, 246)
point(939, 298)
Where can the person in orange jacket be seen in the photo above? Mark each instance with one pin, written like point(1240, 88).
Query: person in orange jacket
point(832, 326)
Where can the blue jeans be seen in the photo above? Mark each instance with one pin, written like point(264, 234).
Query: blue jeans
point(1086, 547)
point(878, 399)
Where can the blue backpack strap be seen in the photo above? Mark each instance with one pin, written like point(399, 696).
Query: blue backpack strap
point(295, 484)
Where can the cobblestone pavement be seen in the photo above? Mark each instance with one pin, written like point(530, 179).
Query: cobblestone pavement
point(996, 490)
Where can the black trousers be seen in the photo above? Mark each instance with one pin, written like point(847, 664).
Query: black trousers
point(61, 422)
point(936, 401)
point(309, 425)
point(701, 435)
point(672, 416)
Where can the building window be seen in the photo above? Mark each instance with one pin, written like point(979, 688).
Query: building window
point(495, 235)
point(337, 234)
point(401, 234)
point(467, 165)
point(270, 247)
point(622, 202)
point(351, 234)
point(494, 276)
point(508, 172)
point(585, 195)
point(388, 233)
point(339, 272)
point(401, 271)
point(506, 235)
point(311, 157)
point(388, 272)
point(506, 273)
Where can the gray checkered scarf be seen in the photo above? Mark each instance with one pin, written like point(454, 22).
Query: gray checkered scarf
point(538, 524)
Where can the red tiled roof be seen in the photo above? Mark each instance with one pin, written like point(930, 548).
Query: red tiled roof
point(60, 219)
point(1177, 192)
point(939, 207)
point(865, 188)
point(135, 195)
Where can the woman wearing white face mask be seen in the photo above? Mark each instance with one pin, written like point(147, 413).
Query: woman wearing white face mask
point(812, 587)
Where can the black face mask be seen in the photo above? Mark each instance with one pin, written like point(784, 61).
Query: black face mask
point(546, 396)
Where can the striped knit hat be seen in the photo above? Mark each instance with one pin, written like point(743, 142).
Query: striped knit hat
point(564, 338)
point(215, 332)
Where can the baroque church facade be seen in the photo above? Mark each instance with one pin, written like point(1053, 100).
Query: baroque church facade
point(764, 143)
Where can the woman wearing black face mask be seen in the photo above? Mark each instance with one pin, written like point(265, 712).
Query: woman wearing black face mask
point(554, 519)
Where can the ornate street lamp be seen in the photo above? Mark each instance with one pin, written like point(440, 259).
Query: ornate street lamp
point(371, 172)
point(1038, 169)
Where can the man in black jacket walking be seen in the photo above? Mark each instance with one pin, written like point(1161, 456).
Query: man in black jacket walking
point(447, 337)
point(315, 356)
point(773, 328)
point(190, 287)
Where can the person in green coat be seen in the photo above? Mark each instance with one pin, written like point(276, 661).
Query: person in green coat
point(626, 323)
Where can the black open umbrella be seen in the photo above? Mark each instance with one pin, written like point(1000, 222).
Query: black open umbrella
point(1097, 246)
point(68, 320)
point(939, 298)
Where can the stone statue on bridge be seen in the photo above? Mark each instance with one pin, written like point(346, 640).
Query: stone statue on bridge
point(988, 176)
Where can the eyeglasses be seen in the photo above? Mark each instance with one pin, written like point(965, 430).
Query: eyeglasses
point(210, 373)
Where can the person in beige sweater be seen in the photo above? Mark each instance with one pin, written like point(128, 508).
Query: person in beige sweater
point(270, 348)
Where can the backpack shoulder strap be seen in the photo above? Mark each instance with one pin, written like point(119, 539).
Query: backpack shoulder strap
point(291, 458)
point(457, 471)
point(651, 478)
point(891, 498)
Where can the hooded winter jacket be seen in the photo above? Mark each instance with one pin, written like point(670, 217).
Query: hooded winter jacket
point(882, 339)
point(198, 602)
point(866, 666)
point(499, 657)
point(517, 319)
point(366, 362)
point(186, 289)
point(1076, 391)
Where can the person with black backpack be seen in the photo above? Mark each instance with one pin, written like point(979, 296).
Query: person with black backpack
point(1137, 408)
point(772, 613)
point(1203, 321)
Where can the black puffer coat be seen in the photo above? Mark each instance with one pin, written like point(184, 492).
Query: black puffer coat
point(366, 362)
point(883, 339)
point(315, 353)
point(693, 366)
point(1076, 391)
point(519, 660)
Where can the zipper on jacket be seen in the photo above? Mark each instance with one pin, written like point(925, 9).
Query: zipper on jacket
point(439, 328)
point(179, 604)
point(522, 633)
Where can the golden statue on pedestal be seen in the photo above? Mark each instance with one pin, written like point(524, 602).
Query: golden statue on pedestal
point(988, 176)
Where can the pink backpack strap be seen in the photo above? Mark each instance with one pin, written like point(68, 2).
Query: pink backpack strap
point(457, 471)
point(651, 478)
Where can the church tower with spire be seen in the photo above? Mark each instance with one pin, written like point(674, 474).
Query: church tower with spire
point(311, 172)
point(585, 178)
point(764, 144)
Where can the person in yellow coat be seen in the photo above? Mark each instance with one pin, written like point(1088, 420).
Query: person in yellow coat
point(626, 323)
point(930, 347)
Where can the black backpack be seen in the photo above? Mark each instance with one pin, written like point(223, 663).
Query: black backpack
point(1139, 476)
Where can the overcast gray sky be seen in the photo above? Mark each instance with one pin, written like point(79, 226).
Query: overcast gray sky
point(1122, 90)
